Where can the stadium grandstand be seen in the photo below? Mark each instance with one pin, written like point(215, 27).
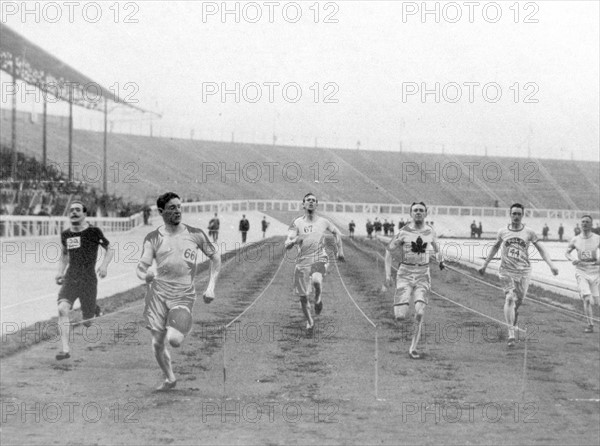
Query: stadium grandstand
point(210, 170)
point(46, 162)
point(32, 181)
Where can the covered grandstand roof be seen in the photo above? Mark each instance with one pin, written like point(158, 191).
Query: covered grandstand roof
point(37, 67)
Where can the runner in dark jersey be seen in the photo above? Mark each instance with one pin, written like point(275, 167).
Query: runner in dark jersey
point(79, 253)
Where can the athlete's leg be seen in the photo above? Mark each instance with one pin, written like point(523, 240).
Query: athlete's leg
point(586, 289)
point(318, 272)
point(175, 337)
point(521, 287)
point(306, 310)
point(66, 298)
point(156, 313)
point(508, 285)
point(87, 297)
point(179, 320)
point(64, 325)
point(401, 301)
point(588, 309)
point(594, 298)
point(404, 290)
point(419, 314)
point(422, 284)
point(509, 313)
point(301, 284)
point(161, 353)
point(317, 284)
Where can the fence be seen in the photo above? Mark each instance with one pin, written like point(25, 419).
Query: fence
point(377, 208)
point(33, 226)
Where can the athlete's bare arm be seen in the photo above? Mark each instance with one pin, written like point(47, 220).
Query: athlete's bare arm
point(570, 249)
point(388, 267)
point(215, 268)
point(438, 254)
point(63, 263)
point(490, 256)
point(338, 241)
point(546, 257)
point(143, 273)
point(103, 268)
point(596, 261)
point(292, 238)
point(388, 260)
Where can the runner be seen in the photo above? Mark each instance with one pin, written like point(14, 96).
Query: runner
point(171, 291)
point(308, 233)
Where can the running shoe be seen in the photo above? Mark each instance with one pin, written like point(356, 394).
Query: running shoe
point(589, 329)
point(63, 355)
point(166, 385)
point(511, 342)
point(413, 354)
point(318, 307)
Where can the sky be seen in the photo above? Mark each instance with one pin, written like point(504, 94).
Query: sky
point(463, 77)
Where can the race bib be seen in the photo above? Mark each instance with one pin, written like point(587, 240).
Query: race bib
point(514, 253)
point(190, 255)
point(586, 255)
point(74, 242)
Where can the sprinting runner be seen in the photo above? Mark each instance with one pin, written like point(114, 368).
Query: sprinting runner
point(415, 241)
point(171, 291)
point(515, 268)
point(307, 233)
point(79, 253)
point(587, 271)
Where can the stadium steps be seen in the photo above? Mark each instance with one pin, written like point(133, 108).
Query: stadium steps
point(364, 176)
point(557, 187)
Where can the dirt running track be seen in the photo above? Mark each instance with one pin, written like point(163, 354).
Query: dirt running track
point(266, 381)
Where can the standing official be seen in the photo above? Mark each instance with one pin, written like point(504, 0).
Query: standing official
point(244, 227)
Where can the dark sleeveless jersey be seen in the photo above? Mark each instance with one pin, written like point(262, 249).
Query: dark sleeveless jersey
point(82, 248)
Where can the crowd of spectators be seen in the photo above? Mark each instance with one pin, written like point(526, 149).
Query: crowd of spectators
point(44, 190)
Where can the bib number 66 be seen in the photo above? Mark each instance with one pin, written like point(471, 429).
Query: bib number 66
point(190, 254)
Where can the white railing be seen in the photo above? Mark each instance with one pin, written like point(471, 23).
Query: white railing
point(33, 226)
point(376, 208)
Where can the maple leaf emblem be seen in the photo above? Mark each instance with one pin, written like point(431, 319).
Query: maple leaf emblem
point(419, 247)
